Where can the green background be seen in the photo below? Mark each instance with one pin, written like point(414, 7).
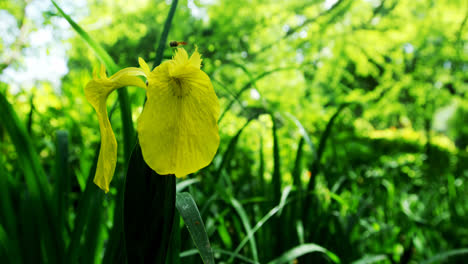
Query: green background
point(344, 128)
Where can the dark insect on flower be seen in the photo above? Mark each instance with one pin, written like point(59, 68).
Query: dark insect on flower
point(177, 43)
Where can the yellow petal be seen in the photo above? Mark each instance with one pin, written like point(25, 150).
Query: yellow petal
point(195, 60)
point(178, 128)
point(96, 92)
point(144, 66)
point(181, 56)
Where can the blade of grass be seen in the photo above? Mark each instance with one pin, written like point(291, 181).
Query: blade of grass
point(36, 181)
point(5, 248)
point(90, 196)
point(186, 183)
point(277, 182)
point(98, 49)
point(8, 219)
point(192, 252)
point(297, 182)
point(222, 229)
point(227, 156)
point(284, 196)
point(30, 115)
point(261, 167)
point(301, 250)
point(231, 147)
point(246, 223)
point(89, 249)
point(188, 210)
point(257, 226)
point(302, 131)
point(62, 177)
point(247, 86)
point(369, 259)
point(111, 66)
point(163, 39)
point(445, 255)
point(297, 170)
point(115, 250)
point(315, 166)
point(300, 231)
point(276, 177)
point(29, 232)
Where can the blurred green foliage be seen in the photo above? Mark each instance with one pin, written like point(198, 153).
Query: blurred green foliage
point(367, 100)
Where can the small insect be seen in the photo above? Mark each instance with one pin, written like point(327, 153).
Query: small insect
point(177, 43)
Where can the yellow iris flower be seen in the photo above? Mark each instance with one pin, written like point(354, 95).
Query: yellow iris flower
point(177, 130)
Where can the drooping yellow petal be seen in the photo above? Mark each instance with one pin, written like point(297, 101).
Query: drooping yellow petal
point(96, 92)
point(178, 129)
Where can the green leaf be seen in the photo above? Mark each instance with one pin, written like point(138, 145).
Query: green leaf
point(245, 222)
point(8, 219)
point(261, 168)
point(276, 177)
point(36, 182)
point(369, 259)
point(229, 152)
point(89, 249)
point(62, 178)
point(186, 183)
point(445, 255)
point(149, 207)
point(315, 166)
point(259, 224)
point(89, 204)
point(5, 247)
point(98, 49)
point(301, 250)
point(189, 211)
point(163, 40)
point(284, 196)
point(302, 131)
point(192, 252)
point(111, 66)
point(174, 248)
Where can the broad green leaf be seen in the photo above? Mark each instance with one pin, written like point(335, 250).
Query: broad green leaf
point(175, 243)
point(149, 207)
point(189, 211)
